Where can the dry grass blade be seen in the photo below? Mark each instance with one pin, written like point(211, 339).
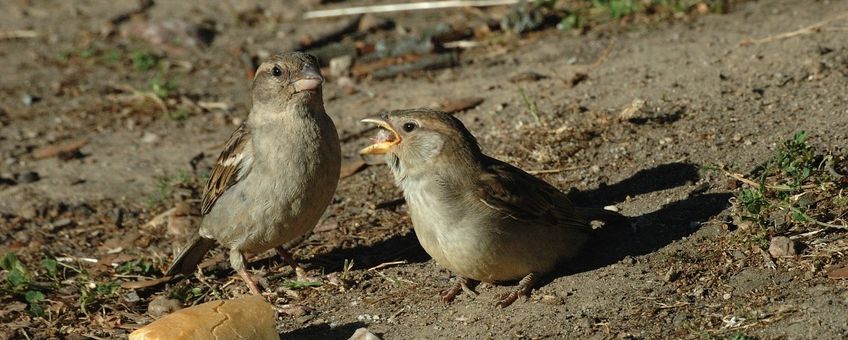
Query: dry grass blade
point(806, 30)
point(18, 34)
point(405, 7)
point(554, 171)
point(387, 264)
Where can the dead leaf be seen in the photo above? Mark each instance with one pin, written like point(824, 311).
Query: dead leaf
point(66, 148)
point(839, 273)
point(460, 104)
point(146, 283)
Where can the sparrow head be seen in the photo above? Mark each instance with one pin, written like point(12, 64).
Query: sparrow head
point(416, 140)
point(288, 78)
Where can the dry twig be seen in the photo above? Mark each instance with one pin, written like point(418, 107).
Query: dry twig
point(386, 264)
point(554, 171)
point(806, 30)
point(18, 34)
point(405, 7)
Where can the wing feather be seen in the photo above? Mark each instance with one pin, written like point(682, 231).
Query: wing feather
point(521, 196)
point(232, 165)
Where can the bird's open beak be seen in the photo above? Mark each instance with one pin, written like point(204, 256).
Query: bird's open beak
point(385, 140)
point(308, 79)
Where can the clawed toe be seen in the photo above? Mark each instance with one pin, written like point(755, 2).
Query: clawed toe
point(506, 299)
point(524, 287)
point(462, 284)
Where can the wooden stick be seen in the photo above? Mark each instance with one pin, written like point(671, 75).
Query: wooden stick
point(18, 34)
point(806, 30)
point(405, 7)
point(553, 171)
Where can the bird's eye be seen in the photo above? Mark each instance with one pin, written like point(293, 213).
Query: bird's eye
point(276, 71)
point(408, 127)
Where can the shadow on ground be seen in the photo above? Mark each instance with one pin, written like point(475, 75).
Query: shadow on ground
point(324, 331)
point(401, 247)
point(651, 231)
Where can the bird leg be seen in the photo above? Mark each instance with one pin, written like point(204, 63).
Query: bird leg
point(524, 287)
point(298, 270)
point(462, 284)
point(237, 262)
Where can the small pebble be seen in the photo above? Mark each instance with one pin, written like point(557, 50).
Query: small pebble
point(781, 246)
point(149, 138)
point(61, 223)
point(29, 99)
point(671, 275)
point(340, 66)
point(28, 177)
point(363, 334)
point(28, 212)
point(162, 305)
point(132, 297)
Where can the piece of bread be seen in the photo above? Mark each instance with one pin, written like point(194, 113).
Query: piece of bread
point(249, 317)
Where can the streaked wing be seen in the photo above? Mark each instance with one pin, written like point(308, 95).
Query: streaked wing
point(521, 196)
point(232, 165)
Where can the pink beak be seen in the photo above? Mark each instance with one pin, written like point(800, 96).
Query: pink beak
point(309, 79)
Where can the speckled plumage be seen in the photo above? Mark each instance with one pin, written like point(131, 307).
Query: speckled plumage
point(278, 172)
point(479, 217)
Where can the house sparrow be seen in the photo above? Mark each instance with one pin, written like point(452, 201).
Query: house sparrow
point(277, 173)
point(481, 218)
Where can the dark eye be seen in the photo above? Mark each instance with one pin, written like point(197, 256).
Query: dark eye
point(276, 71)
point(408, 127)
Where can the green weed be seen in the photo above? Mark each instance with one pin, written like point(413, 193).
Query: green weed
point(617, 8)
point(740, 336)
point(177, 115)
point(796, 187)
point(93, 294)
point(185, 293)
point(143, 61)
point(162, 88)
point(20, 281)
point(295, 284)
point(528, 104)
point(167, 186)
point(137, 266)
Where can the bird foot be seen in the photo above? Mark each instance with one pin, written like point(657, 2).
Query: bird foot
point(525, 286)
point(462, 284)
point(298, 270)
point(251, 283)
point(506, 299)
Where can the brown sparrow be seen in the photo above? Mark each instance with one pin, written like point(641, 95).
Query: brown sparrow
point(479, 217)
point(277, 173)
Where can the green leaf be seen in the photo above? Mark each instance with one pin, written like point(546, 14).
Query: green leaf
point(801, 137)
point(798, 216)
point(17, 280)
point(33, 298)
point(294, 284)
point(51, 266)
point(143, 61)
point(11, 263)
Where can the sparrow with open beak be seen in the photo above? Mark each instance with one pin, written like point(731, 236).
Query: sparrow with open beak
point(277, 173)
point(481, 218)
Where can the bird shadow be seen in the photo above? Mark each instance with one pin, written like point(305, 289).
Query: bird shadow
point(324, 331)
point(648, 232)
point(400, 247)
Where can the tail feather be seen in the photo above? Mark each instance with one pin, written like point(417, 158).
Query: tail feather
point(603, 215)
point(186, 262)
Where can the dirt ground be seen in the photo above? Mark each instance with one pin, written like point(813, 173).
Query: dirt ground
point(678, 272)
